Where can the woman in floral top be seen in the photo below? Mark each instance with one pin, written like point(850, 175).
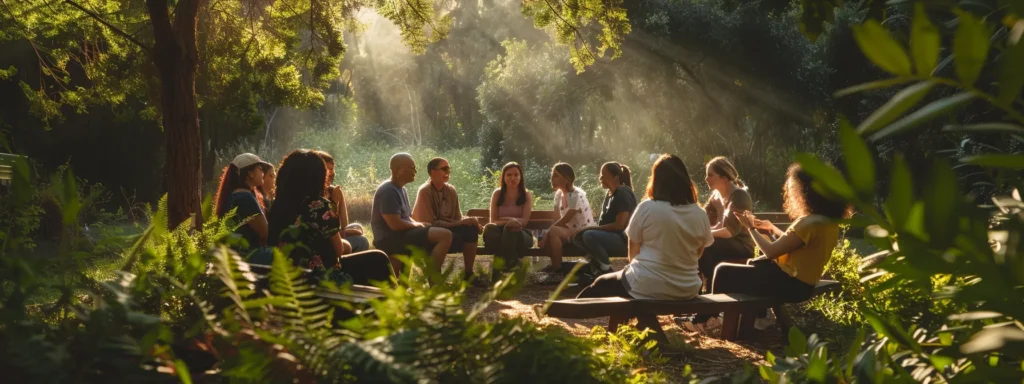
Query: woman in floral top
point(304, 224)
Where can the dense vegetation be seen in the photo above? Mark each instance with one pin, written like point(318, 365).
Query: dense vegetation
point(934, 91)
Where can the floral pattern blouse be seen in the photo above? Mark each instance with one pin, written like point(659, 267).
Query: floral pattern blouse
point(310, 236)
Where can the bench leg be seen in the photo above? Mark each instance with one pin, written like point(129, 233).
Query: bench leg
point(730, 325)
point(615, 321)
point(783, 321)
point(746, 328)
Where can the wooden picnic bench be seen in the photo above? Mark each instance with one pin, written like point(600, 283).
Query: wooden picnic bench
point(739, 309)
point(542, 220)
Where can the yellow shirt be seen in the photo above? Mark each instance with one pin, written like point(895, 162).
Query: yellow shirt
point(819, 234)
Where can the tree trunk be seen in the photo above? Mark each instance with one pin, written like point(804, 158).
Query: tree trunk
point(176, 57)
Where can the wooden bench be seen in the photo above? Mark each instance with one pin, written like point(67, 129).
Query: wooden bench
point(739, 309)
point(542, 220)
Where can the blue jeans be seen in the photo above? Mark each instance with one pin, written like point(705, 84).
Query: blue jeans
point(600, 246)
point(359, 243)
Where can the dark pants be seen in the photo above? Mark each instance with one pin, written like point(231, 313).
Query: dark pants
point(614, 284)
point(367, 266)
point(600, 246)
point(720, 251)
point(508, 246)
point(462, 235)
point(762, 278)
point(399, 243)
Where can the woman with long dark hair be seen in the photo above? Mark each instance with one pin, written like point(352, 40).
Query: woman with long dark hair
point(305, 220)
point(237, 191)
point(511, 205)
point(794, 263)
point(608, 237)
point(573, 211)
point(667, 233)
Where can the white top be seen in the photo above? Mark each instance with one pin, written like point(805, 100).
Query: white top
point(577, 199)
point(671, 239)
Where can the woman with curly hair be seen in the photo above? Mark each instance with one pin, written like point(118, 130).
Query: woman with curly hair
point(238, 192)
point(794, 263)
point(305, 221)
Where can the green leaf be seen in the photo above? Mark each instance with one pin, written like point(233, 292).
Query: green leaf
point(797, 343)
point(860, 163)
point(970, 48)
point(942, 199)
point(1011, 77)
point(830, 179)
point(851, 355)
point(879, 84)
point(925, 114)
point(182, 370)
point(895, 107)
point(924, 41)
point(901, 193)
point(817, 368)
point(879, 47)
point(1004, 161)
point(892, 331)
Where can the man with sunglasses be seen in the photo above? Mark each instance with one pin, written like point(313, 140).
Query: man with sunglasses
point(437, 204)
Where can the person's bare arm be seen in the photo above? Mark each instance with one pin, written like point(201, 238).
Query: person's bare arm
point(722, 233)
point(259, 225)
point(395, 222)
point(620, 223)
point(789, 242)
point(342, 207)
point(569, 215)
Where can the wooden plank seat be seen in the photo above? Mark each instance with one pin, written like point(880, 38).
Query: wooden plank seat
point(739, 309)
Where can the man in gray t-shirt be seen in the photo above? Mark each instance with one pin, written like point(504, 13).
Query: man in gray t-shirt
point(394, 230)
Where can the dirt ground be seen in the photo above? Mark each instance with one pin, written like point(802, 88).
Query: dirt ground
point(707, 356)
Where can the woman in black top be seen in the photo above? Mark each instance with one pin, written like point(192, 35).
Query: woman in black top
point(237, 192)
point(608, 237)
point(305, 225)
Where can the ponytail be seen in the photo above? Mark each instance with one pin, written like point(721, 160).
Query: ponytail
point(625, 178)
point(620, 171)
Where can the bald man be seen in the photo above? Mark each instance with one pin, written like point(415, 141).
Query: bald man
point(394, 230)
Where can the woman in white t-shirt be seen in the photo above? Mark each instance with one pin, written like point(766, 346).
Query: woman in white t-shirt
point(667, 233)
point(573, 211)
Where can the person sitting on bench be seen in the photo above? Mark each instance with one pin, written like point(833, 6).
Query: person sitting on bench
point(437, 203)
point(728, 195)
point(238, 191)
point(394, 230)
point(511, 205)
point(304, 220)
point(573, 213)
point(794, 263)
point(667, 233)
point(352, 233)
point(607, 238)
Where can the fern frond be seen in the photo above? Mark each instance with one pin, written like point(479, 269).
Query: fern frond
point(303, 310)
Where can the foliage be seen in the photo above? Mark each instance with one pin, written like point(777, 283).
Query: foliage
point(185, 308)
point(966, 256)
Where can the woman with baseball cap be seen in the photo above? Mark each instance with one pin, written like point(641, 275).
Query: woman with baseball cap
point(237, 192)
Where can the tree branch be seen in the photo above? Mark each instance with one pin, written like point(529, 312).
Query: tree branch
point(114, 29)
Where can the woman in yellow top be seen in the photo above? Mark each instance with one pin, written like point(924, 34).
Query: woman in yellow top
point(795, 262)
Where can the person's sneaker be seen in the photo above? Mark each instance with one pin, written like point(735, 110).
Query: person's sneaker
point(682, 319)
point(705, 327)
point(763, 323)
point(583, 279)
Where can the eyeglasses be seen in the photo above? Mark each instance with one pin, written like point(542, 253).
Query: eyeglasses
point(444, 169)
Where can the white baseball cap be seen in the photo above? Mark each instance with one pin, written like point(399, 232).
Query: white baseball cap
point(247, 159)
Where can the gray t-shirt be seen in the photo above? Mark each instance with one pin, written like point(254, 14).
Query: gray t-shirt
point(389, 199)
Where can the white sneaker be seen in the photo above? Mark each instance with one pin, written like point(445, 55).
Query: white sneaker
point(763, 323)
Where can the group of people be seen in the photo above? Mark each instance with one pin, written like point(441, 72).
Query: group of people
point(677, 247)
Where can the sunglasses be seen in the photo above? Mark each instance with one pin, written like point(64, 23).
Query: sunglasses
point(445, 169)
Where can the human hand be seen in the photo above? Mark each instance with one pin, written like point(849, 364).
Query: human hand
point(470, 221)
point(745, 218)
point(353, 232)
point(762, 224)
point(514, 225)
